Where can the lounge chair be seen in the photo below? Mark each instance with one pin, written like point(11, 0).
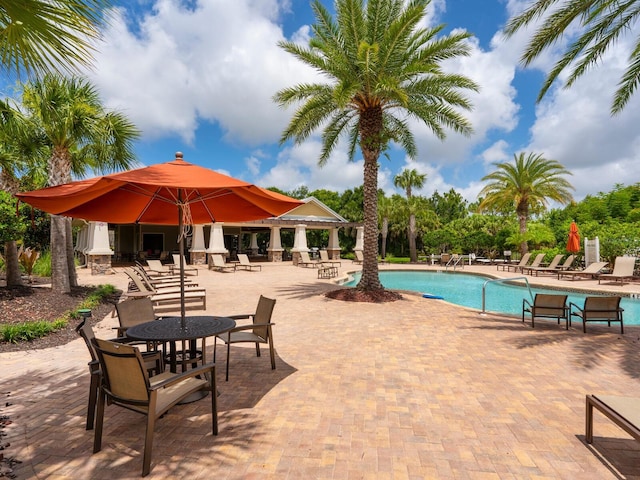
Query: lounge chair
point(592, 271)
point(218, 264)
point(623, 411)
point(324, 258)
point(305, 261)
point(168, 281)
point(176, 265)
point(553, 270)
point(125, 383)
point(156, 268)
point(530, 270)
point(535, 264)
point(170, 297)
point(507, 267)
point(547, 306)
point(258, 331)
point(245, 264)
point(359, 257)
point(622, 270)
point(598, 309)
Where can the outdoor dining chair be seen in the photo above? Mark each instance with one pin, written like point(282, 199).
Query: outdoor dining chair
point(259, 331)
point(598, 309)
point(125, 383)
point(547, 306)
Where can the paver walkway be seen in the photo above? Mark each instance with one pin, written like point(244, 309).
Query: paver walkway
point(412, 389)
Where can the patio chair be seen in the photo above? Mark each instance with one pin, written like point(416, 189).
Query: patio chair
point(125, 383)
point(359, 257)
point(176, 265)
point(324, 257)
point(133, 312)
point(507, 267)
point(258, 331)
point(530, 270)
point(592, 271)
point(218, 264)
point(622, 270)
point(245, 264)
point(153, 362)
point(305, 261)
point(554, 269)
point(547, 306)
point(598, 309)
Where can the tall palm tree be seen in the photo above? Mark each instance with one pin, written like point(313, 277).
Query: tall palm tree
point(528, 184)
point(381, 67)
point(602, 22)
point(40, 36)
point(82, 136)
point(409, 179)
point(385, 212)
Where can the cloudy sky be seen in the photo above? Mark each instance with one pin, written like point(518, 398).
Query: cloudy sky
point(198, 76)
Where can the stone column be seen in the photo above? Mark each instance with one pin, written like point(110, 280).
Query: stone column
point(198, 252)
point(98, 250)
point(333, 248)
point(299, 243)
point(274, 252)
point(254, 244)
point(216, 241)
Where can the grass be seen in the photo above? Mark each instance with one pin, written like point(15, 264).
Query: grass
point(27, 331)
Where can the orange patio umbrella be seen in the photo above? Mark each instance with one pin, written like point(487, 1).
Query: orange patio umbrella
point(573, 242)
point(171, 193)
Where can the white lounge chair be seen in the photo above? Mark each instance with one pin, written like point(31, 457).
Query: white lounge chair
point(176, 265)
point(592, 271)
point(218, 264)
point(305, 261)
point(324, 258)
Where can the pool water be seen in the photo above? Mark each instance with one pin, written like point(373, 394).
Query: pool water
point(466, 290)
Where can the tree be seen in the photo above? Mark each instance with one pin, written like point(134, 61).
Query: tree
point(40, 36)
point(602, 22)
point(407, 180)
point(82, 136)
point(527, 184)
point(385, 212)
point(382, 68)
point(450, 206)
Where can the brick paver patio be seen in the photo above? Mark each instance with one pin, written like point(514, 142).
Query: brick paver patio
point(412, 389)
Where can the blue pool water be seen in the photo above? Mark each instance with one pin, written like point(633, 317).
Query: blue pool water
point(466, 290)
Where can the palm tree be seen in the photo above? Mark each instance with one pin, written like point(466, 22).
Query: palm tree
point(386, 209)
point(82, 136)
point(40, 36)
point(409, 179)
point(381, 67)
point(602, 22)
point(527, 184)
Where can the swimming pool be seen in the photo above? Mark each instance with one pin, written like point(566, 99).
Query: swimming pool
point(466, 290)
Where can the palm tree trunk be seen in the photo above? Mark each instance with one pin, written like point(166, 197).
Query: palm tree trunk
point(59, 173)
point(523, 213)
point(71, 258)
point(10, 184)
point(384, 231)
point(413, 253)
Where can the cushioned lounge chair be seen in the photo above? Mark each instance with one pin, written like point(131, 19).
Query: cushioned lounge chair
point(245, 264)
point(598, 309)
point(125, 383)
point(622, 270)
point(507, 267)
point(592, 271)
point(257, 332)
point(547, 306)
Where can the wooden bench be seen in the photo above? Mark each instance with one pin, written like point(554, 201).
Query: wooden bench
point(327, 272)
point(623, 411)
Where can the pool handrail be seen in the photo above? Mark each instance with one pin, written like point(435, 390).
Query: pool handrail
point(496, 280)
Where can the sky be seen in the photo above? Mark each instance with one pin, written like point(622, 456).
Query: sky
point(198, 76)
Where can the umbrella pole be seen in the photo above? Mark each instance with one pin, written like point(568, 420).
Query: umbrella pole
point(181, 251)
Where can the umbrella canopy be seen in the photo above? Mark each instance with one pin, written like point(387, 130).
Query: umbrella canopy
point(171, 193)
point(573, 243)
point(151, 195)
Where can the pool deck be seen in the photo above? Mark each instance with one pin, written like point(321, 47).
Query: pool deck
point(412, 389)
